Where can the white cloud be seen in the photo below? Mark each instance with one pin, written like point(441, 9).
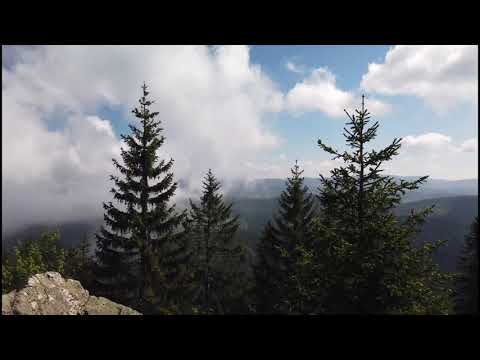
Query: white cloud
point(102, 126)
point(52, 176)
point(442, 75)
point(57, 149)
point(429, 140)
point(470, 145)
point(291, 66)
point(319, 92)
point(436, 155)
point(212, 103)
point(437, 141)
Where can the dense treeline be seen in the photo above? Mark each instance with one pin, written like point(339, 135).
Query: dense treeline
point(340, 250)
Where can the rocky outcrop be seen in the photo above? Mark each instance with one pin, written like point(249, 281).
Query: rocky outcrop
point(50, 294)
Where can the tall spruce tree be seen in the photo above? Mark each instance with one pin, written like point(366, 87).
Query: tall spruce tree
point(142, 251)
point(219, 258)
point(367, 259)
point(466, 283)
point(278, 272)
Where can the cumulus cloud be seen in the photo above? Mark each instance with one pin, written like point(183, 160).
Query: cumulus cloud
point(470, 145)
point(48, 176)
point(441, 75)
point(213, 102)
point(427, 140)
point(436, 155)
point(291, 66)
point(57, 150)
point(436, 141)
point(319, 92)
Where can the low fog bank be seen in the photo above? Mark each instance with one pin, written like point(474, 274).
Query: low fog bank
point(34, 209)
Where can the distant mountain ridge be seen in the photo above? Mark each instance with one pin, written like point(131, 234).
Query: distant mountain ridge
point(433, 188)
point(256, 202)
point(450, 220)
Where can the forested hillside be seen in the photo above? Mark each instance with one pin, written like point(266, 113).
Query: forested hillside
point(450, 221)
point(301, 246)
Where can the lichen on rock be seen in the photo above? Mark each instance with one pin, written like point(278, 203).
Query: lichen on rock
point(50, 294)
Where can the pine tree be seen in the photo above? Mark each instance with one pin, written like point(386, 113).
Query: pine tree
point(466, 284)
point(218, 256)
point(142, 250)
point(368, 261)
point(278, 272)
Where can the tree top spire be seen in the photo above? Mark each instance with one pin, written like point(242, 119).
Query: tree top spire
point(144, 88)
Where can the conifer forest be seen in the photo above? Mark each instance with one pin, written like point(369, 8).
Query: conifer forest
point(340, 247)
point(206, 180)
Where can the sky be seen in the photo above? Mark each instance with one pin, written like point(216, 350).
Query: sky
point(246, 112)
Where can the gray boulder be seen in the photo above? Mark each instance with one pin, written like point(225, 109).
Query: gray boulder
point(50, 294)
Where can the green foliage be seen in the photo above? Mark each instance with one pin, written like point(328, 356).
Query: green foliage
point(219, 276)
point(141, 253)
point(7, 276)
point(281, 271)
point(46, 254)
point(354, 255)
point(28, 262)
point(366, 261)
point(466, 282)
point(32, 257)
point(79, 264)
point(51, 252)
